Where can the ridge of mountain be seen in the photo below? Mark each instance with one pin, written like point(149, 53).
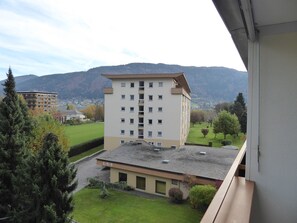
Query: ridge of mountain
point(208, 84)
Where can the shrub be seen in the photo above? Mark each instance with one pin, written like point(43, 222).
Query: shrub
point(226, 142)
point(104, 192)
point(201, 196)
point(83, 147)
point(204, 132)
point(176, 195)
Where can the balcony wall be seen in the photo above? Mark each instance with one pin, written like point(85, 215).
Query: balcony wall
point(233, 200)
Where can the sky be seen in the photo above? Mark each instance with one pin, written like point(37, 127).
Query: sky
point(58, 36)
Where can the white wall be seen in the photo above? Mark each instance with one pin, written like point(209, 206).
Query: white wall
point(275, 175)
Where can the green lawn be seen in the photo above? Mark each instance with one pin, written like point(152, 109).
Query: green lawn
point(195, 136)
point(81, 133)
point(87, 153)
point(124, 207)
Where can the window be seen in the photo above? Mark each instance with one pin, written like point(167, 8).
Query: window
point(150, 133)
point(150, 121)
point(150, 97)
point(122, 141)
point(122, 177)
point(131, 121)
point(122, 120)
point(132, 84)
point(140, 183)
point(132, 97)
point(122, 108)
point(123, 96)
point(150, 109)
point(160, 84)
point(160, 187)
point(131, 109)
point(160, 109)
point(123, 84)
point(159, 133)
point(174, 182)
point(160, 97)
point(151, 84)
point(160, 121)
point(131, 132)
point(122, 132)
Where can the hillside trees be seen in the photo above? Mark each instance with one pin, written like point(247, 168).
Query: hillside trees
point(15, 132)
point(54, 183)
point(226, 123)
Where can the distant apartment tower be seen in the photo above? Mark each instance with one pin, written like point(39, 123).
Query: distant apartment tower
point(40, 100)
point(150, 107)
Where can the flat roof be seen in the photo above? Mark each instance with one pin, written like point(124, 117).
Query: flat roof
point(180, 78)
point(188, 160)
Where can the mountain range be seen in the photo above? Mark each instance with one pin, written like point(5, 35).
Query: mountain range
point(208, 84)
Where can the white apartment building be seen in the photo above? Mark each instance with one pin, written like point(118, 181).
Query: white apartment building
point(150, 107)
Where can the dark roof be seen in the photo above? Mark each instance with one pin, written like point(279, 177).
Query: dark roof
point(185, 160)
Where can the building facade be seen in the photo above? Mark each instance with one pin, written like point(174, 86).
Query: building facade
point(150, 107)
point(40, 100)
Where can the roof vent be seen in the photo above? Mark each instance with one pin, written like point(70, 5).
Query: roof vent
point(156, 150)
point(165, 161)
point(202, 153)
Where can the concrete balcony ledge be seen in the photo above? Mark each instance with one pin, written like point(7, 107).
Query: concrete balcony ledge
point(108, 90)
point(233, 200)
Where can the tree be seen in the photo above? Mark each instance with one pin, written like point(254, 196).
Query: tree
point(204, 132)
point(197, 116)
point(201, 196)
point(226, 123)
point(54, 183)
point(240, 110)
point(44, 123)
point(70, 107)
point(94, 112)
point(223, 106)
point(15, 128)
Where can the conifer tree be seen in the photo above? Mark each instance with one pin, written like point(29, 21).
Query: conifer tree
point(54, 183)
point(14, 134)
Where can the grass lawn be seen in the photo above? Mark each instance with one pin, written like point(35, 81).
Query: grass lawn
point(81, 133)
point(128, 208)
point(87, 153)
point(195, 136)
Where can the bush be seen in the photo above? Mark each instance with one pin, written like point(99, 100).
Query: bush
point(83, 147)
point(204, 132)
point(176, 195)
point(95, 182)
point(226, 142)
point(103, 192)
point(201, 196)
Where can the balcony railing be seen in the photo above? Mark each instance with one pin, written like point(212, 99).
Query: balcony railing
point(233, 200)
point(141, 101)
point(140, 125)
point(108, 90)
point(140, 137)
point(141, 113)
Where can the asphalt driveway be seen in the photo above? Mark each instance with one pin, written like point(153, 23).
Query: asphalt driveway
point(87, 169)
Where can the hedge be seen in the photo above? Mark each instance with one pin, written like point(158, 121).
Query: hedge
point(80, 148)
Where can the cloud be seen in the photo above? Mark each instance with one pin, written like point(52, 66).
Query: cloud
point(43, 37)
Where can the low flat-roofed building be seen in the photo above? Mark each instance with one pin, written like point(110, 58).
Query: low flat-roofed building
point(155, 170)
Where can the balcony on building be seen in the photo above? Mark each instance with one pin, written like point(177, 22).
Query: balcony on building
point(108, 90)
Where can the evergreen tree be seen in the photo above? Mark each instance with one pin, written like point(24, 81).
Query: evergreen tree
point(54, 183)
point(14, 135)
point(240, 110)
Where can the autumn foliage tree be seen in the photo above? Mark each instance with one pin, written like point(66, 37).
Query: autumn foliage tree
point(94, 112)
point(197, 116)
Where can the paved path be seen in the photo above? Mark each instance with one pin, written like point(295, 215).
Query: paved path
point(88, 168)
